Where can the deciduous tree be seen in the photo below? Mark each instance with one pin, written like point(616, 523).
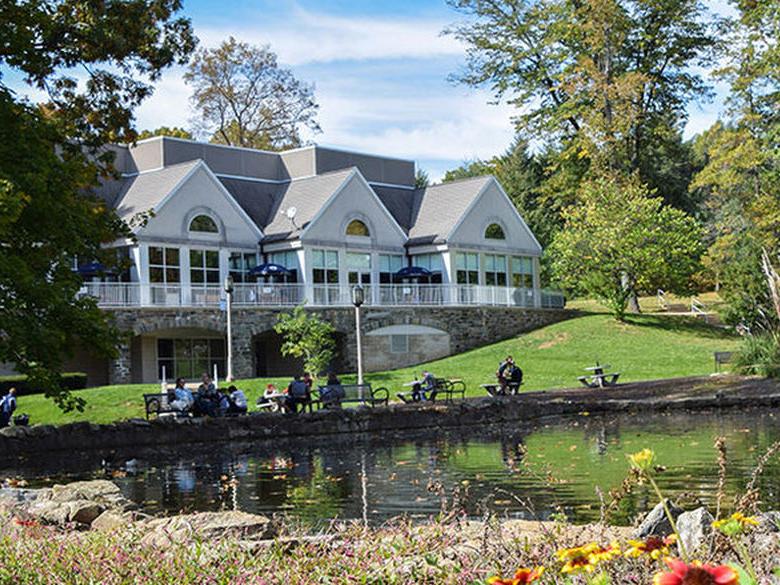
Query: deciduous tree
point(307, 337)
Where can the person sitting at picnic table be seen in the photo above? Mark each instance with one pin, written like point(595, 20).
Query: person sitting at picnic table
point(182, 397)
point(270, 390)
point(207, 399)
point(427, 384)
point(509, 375)
point(238, 402)
point(7, 407)
point(297, 393)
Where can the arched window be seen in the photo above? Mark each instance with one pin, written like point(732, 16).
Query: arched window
point(357, 228)
point(494, 232)
point(203, 223)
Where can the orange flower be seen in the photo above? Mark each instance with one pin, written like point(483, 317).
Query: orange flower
point(696, 574)
point(522, 577)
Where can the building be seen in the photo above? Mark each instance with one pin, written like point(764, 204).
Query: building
point(301, 226)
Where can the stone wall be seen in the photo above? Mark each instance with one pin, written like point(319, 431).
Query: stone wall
point(468, 328)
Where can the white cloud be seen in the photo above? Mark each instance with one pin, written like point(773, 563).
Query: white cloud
point(313, 37)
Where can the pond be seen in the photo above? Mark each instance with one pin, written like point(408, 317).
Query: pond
point(550, 467)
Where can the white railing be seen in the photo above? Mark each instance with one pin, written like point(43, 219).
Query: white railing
point(319, 295)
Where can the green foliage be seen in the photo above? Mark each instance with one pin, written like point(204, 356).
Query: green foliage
point(69, 381)
point(244, 98)
point(421, 179)
point(308, 337)
point(759, 355)
point(173, 131)
point(50, 157)
point(618, 241)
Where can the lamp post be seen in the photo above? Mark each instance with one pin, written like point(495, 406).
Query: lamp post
point(229, 294)
point(358, 297)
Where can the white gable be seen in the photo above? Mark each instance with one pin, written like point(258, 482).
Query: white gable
point(354, 200)
point(200, 193)
point(493, 206)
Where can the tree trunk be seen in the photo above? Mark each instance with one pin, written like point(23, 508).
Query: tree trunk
point(633, 299)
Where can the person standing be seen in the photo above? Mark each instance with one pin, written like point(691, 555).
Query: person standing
point(7, 407)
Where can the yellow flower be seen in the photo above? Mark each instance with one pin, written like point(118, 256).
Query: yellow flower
point(654, 547)
point(735, 524)
point(583, 559)
point(643, 460)
point(522, 577)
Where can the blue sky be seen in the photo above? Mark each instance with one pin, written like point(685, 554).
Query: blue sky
point(381, 75)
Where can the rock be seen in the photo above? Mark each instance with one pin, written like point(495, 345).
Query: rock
point(656, 523)
point(207, 526)
point(768, 522)
point(695, 528)
point(109, 521)
point(49, 512)
point(95, 490)
point(84, 512)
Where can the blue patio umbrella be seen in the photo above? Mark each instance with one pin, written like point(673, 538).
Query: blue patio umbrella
point(92, 269)
point(413, 272)
point(269, 269)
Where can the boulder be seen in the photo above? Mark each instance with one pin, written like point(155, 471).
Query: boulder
point(100, 491)
point(110, 521)
point(695, 529)
point(207, 526)
point(656, 523)
point(84, 511)
point(49, 512)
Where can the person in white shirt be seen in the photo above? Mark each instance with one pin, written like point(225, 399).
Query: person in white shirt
point(238, 402)
point(182, 397)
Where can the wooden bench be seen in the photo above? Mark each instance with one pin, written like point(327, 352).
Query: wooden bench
point(160, 405)
point(445, 387)
point(339, 394)
point(722, 357)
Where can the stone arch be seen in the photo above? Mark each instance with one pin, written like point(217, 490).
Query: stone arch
point(268, 360)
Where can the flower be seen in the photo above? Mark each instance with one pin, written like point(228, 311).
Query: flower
point(696, 574)
point(522, 576)
point(643, 460)
point(583, 559)
point(735, 524)
point(654, 547)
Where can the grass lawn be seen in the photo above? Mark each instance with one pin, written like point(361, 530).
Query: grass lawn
point(643, 348)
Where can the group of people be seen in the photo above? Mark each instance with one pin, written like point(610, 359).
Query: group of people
point(509, 376)
point(298, 393)
point(207, 400)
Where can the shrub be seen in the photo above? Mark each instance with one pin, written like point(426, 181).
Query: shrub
point(69, 381)
point(759, 355)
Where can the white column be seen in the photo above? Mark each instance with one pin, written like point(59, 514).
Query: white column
point(142, 253)
point(306, 272)
point(184, 276)
point(537, 283)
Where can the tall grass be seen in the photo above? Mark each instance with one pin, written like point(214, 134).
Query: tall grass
point(759, 355)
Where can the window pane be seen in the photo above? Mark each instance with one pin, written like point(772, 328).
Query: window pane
point(490, 278)
point(165, 348)
point(332, 259)
point(217, 348)
point(182, 349)
point(472, 262)
point(501, 279)
point(359, 261)
point(156, 275)
point(172, 256)
point(333, 276)
point(490, 263)
point(203, 223)
point(357, 228)
point(461, 277)
point(435, 263)
point(196, 258)
point(200, 348)
point(494, 232)
point(318, 275)
point(500, 263)
point(155, 255)
point(212, 259)
point(171, 275)
point(318, 258)
point(460, 261)
point(250, 261)
point(212, 276)
point(196, 276)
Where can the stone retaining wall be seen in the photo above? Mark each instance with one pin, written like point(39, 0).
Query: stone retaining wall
point(690, 393)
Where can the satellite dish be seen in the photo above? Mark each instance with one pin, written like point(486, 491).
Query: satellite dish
point(291, 213)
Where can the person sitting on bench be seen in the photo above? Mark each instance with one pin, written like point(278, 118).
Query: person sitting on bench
point(207, 399)
point(182, 397)
point(297, 394)
point(428, 384)
point(509, 376)
point(334, 391)
point(238, 402)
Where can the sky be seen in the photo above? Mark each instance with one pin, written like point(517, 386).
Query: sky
point(381, 71)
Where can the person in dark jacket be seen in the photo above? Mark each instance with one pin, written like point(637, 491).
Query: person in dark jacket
point(7, 407)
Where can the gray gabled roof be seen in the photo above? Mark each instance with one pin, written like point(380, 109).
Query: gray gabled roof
point(146, 190)
point(438, 208)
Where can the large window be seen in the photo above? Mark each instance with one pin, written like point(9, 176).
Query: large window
point(288, 259)
point(239, 265)
point(495, 270)
point(358, 228)
point(522, 272)
point(204, 224)
point(431, 262)
point(466, 268)
point(190, 358)
point(358, 268)
point(325, 266)
point(164, 265)
point(389, 264)
point(204, 267)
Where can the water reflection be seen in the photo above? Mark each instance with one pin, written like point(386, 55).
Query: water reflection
point(521, 472)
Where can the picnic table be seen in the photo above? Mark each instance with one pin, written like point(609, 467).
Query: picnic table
point(277, 402)
point(447, 387)
point(599, 378)
point(495, 388)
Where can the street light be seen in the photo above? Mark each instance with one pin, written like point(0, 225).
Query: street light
point(358, 297)
point(229, 288)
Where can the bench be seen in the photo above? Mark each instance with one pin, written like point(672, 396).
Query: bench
point(722, 357)
point(495, 389)
point(331, 397)
point(160, 405)
point(442, 387)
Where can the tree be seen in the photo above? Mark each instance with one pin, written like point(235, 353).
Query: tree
point(307, 337)
point(50, 158)
point(618, 241)
point(604, 81)
point(421, 179)
point(244, 98)
point(173, 131)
